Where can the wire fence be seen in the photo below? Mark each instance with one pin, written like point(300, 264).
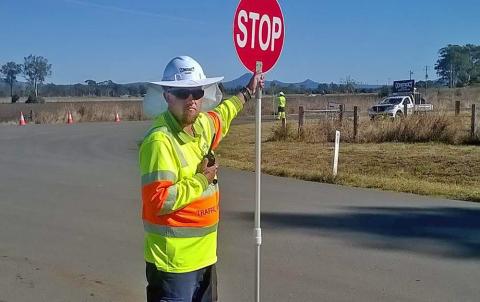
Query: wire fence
point(466, 118)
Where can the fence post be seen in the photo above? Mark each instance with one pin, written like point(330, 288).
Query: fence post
point(472, 126)
point(405, 109)
point(31, 115)
point(340, 114)
point(301, 119)
point(355, 122)
point(457, 108)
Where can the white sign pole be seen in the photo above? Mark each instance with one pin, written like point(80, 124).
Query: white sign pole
point(258, 170)
point(335, 157)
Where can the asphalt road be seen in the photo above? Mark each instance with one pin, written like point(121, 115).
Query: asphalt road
point(70, 229)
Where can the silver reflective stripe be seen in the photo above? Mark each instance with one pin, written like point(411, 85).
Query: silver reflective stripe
point(167, 206)
point(211, 189)
point(178, 232)
point(175, 144)
point(158, 175)
point(169, 203)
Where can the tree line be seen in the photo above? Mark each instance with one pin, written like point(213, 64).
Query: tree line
point(34, 69)
point(91, 88)
point(457, 66)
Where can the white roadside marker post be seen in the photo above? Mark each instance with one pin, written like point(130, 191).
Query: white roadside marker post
point(335, 157)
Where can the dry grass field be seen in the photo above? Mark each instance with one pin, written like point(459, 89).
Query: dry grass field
point(68, 99)
point(443, 100)
point(82, 111)
point(432, 127)
point(432, 168)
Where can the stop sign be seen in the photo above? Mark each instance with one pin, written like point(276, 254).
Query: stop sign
point(258, 33)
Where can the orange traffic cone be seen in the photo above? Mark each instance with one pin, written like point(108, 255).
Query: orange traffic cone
point(22, 122)
point(117, 117)
point(69, 118)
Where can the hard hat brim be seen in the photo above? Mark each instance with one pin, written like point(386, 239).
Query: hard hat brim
point(189, 83)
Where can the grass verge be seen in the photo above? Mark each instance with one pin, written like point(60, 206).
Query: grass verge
point(438, 169)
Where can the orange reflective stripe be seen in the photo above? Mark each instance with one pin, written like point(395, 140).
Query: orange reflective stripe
point(218, 128)
point(202, 212)
point(154, 196)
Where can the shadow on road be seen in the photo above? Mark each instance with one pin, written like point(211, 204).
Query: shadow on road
point(440, 231)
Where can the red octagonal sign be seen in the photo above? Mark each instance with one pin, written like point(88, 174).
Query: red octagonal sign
point(258, 33)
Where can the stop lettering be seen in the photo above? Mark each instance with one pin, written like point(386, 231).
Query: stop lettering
point(258, 32)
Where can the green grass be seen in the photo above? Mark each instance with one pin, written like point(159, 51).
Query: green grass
point(438, 169)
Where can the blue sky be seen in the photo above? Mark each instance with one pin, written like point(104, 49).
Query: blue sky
point(128, 41)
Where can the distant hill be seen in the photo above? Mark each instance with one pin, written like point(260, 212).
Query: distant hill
point(243, 80)
point(307, 84)
point(110, 88)
point(18, 84)
point(238, 82)
point(366, 86)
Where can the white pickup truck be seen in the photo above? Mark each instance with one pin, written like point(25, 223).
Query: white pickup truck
point(394, 105)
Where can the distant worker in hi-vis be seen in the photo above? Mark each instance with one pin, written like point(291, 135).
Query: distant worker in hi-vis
point(282, 103)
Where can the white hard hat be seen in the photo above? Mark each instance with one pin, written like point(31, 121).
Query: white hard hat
point(184, 71)
point(181, 72)
point(281, 93)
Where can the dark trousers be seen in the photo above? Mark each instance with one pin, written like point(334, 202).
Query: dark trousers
point(196, 286)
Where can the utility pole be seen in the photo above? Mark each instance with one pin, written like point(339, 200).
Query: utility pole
point(272, 86)
point(411, 73)
point(451, 75)
point(426, 79)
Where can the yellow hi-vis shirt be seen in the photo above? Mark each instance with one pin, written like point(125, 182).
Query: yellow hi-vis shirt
point(180, 209)
point(282, 101)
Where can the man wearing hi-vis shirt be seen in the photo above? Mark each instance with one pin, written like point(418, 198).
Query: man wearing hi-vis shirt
point(180, 193)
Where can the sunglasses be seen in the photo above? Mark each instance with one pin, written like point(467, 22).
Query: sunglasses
point(184, 93)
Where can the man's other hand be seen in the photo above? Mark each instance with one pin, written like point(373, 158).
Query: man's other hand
point(209, 172)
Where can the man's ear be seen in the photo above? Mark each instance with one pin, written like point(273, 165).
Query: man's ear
point(166, 96)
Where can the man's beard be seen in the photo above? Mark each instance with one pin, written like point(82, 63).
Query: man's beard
point(188, 119)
